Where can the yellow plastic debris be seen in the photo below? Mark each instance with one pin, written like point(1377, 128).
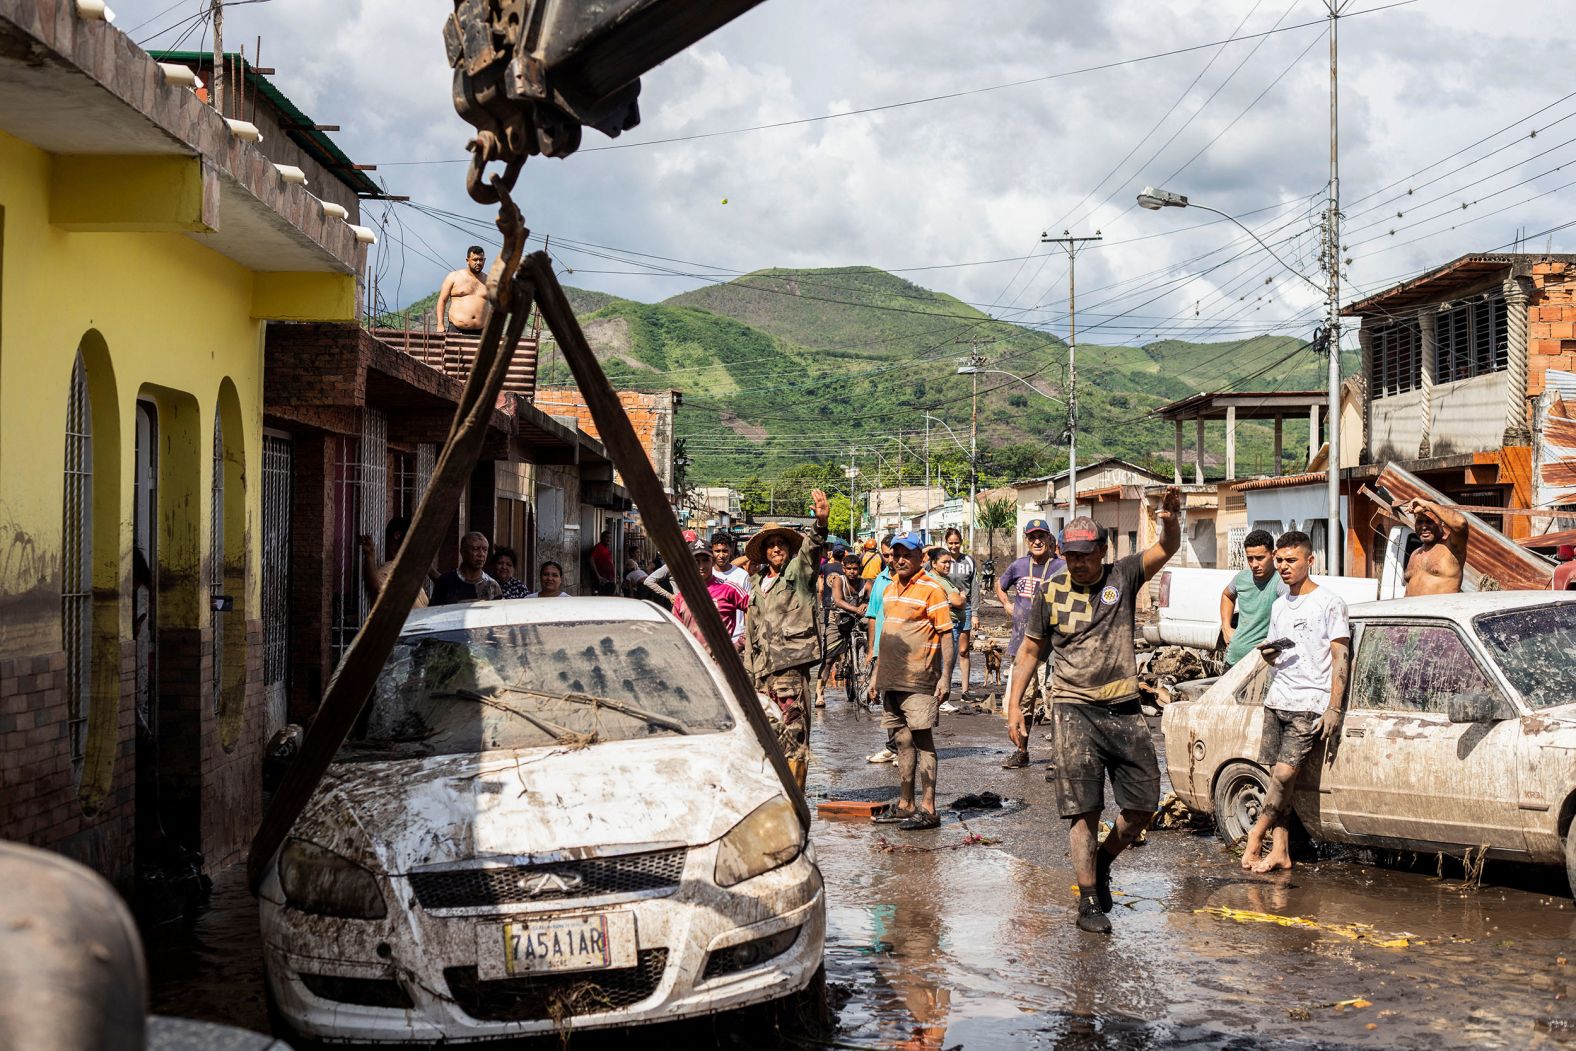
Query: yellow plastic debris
point(1350, 931)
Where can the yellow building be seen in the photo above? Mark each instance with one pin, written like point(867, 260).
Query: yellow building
point(144, 245)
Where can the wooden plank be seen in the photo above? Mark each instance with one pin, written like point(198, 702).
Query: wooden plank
point(656, 513)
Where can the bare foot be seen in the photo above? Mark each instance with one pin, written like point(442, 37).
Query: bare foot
point(1251, 851)
point(1271, 863)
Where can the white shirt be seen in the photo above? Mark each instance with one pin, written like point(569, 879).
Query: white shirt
point(1300, 676)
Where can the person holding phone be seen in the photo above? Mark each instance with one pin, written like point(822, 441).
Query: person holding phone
point(1309, 642)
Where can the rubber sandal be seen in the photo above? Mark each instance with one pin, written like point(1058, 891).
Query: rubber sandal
point(893, 816)
point(921, 821)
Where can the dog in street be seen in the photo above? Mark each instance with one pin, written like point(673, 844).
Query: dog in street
point(993, 663)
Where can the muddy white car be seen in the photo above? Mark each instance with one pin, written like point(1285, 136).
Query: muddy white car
point(551, 816)
point(1460, 733)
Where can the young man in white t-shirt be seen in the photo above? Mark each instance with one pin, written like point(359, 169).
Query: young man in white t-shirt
point(1307, 689)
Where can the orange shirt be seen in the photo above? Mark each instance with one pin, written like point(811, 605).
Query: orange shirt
point(914, 617)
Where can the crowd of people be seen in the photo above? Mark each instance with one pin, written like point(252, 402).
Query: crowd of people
point(794, 602)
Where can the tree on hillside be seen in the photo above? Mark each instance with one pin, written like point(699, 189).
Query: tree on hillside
point(998, 513)
point(837, 522)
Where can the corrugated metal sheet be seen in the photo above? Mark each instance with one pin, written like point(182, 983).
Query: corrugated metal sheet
point(1285, 481)
point(1554, 448)
point(1494, 561)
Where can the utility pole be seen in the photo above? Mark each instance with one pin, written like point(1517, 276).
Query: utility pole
point(976, 361)
point(1072, 245)
point(1335, 536)
point(927, 480)
point(218, 56)
point(853, 502)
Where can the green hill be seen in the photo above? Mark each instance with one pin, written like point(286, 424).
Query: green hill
point(785, 368)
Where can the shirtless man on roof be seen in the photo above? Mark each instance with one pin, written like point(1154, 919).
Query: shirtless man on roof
point(1436, 568)
point(462, 301)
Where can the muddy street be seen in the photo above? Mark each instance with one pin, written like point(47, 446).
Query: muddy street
point(934, 943)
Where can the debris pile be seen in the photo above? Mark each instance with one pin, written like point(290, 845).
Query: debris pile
point(1171, 665)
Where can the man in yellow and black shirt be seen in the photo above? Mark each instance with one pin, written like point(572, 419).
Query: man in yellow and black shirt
point(1083, 617)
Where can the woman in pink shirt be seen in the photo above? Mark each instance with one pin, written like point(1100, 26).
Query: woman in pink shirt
point(727, 597)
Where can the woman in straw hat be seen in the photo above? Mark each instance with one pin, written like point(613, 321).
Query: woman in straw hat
point(780, 641)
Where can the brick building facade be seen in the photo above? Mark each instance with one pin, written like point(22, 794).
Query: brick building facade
point(1453, 365)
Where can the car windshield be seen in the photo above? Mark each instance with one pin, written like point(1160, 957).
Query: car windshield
point(533, 685)
point(1536, 648)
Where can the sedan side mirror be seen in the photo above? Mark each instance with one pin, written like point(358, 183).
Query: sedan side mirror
point(1472, 708)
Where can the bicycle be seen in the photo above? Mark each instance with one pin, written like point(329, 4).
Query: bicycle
point(851, 666)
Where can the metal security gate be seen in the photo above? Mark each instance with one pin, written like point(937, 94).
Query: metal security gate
point(277, 463)
point(361, 500)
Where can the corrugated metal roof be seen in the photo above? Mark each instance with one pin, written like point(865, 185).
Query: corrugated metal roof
point(316, 143)
point(1285, 481)
point(1436, 283)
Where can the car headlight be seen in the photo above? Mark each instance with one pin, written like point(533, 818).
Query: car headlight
point(315, 879)
point(769, 838)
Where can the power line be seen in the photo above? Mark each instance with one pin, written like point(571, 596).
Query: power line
point(926, 100)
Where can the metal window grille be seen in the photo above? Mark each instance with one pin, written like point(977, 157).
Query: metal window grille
point(360, 508)
point(426, 464)
point(1235, 558)
point(76, 596)
point(1397, 359)
point(403, 484)
point(1472, 341)
point(277, 457)
point(216, 565)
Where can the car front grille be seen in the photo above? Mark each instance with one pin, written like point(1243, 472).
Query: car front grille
point(556, 996)
point(649, 875)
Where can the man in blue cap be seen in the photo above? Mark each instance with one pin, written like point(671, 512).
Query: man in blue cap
point(1083, 619)
point(1016, 589)
point(915, 619)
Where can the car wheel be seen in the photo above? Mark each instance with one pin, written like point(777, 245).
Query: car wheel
point(1570, 857)
point(1239, 796)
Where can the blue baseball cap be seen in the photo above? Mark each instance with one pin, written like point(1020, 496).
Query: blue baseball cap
point(1036, 523)
point(911, 540)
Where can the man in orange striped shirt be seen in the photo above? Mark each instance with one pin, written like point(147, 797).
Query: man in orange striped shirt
point(915, 617)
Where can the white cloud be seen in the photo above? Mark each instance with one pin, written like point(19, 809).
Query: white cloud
point(976, 177)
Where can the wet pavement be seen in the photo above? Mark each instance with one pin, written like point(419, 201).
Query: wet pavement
point(939, 944)
point(934, 943)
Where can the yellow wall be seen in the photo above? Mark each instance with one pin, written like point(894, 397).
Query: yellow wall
point(175, 318)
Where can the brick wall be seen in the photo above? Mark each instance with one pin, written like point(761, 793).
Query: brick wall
point(232, 780)
point(39, 800)
point(1551, 323)
point(651, 415)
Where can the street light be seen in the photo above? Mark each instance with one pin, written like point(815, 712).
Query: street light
point(1072, 431)
point(1155, 199)
point(968, 451)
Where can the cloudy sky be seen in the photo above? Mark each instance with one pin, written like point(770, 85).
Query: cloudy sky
point(1439, 106)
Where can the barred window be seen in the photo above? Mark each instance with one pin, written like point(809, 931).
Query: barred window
point(1397, 359)
point(76, 593)
point(1472, 341)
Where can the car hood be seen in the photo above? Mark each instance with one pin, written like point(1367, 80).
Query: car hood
point(541, 802)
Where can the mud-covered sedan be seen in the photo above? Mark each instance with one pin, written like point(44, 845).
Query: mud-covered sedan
point(551, 816)
point(1459, 734)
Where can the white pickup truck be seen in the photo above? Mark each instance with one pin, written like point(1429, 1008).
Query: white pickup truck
point(1188, 599)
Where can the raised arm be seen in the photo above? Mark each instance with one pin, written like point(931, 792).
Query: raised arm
point(1170, 518)
point(1455, 523)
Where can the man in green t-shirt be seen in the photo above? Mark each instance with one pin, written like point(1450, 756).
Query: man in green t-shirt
point(1249, 596)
